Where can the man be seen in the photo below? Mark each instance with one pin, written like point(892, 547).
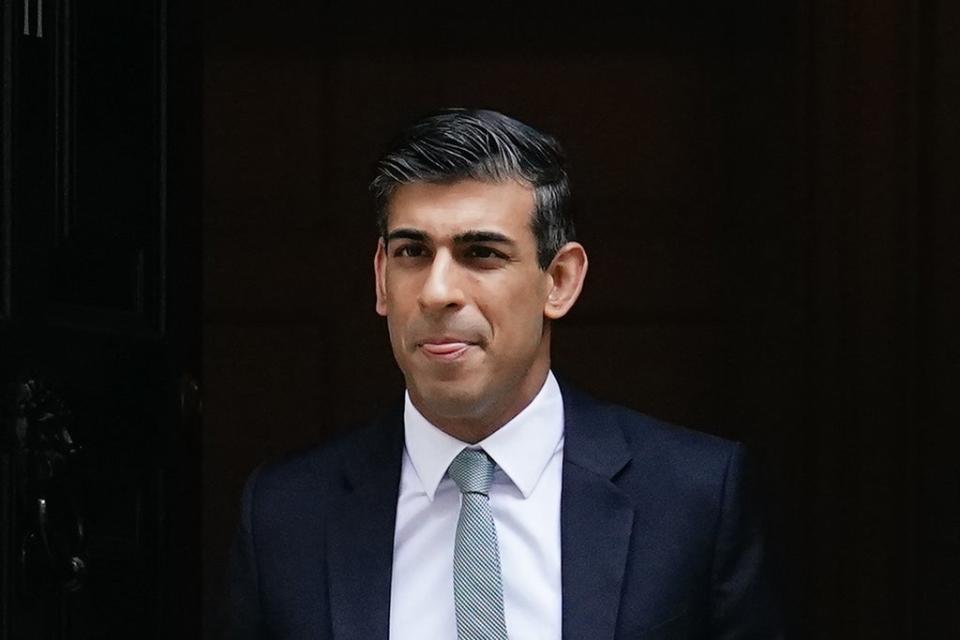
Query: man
point(496, 502)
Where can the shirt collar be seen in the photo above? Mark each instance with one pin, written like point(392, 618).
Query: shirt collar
point(521, 447)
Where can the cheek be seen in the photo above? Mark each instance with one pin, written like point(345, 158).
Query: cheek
point(520, 317)
point(396, 324)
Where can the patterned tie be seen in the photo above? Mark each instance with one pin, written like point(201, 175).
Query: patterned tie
point(477, 584)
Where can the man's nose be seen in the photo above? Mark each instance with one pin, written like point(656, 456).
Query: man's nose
point(442, 288)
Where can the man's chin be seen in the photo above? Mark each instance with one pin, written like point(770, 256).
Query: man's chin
point(449, 399)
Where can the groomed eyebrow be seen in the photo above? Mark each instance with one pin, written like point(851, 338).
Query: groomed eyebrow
point(481, 236)
point(466, 237)
point(406, 234)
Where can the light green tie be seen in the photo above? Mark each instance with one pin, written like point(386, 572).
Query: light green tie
point(477, 582)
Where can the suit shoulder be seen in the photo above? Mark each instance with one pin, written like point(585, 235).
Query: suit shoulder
point(315, 465)
point(691, 466)
point(670, 452)
point(642, 430)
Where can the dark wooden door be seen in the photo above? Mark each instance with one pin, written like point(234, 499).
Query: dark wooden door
point(99, 338)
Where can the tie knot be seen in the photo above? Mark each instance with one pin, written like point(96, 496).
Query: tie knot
point(472, 470)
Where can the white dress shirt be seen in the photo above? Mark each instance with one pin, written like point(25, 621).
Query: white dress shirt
point(525, 500)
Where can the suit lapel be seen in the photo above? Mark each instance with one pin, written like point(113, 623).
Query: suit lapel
point(360, 536)
point(596, 520)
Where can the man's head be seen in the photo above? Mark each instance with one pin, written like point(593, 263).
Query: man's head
point(486, 146)
point(474, 261)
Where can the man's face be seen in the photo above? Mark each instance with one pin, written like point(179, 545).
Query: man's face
point(460, 285)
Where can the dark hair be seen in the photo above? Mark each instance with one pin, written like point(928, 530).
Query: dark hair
point(475, 144)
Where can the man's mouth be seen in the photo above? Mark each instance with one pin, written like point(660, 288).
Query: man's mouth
point(445, 349)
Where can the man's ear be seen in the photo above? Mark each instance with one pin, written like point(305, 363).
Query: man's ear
point(379, 275)
point(566, 273)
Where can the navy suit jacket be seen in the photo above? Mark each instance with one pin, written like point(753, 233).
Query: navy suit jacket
point(660, 537)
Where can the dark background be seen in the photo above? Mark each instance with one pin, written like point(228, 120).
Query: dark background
point(768, 195)
point(768, 192)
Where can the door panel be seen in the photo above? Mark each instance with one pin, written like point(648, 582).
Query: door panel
point(97, 442)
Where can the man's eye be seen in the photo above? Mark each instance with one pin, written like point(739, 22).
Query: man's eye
point(482, 253)
point(410, 251)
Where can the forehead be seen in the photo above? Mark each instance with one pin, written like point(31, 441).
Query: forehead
point(446, 209)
